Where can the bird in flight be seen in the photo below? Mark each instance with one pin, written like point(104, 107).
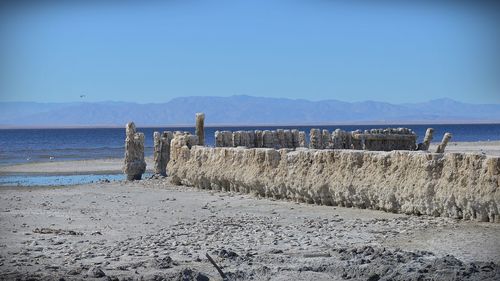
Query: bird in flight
point(82, 96)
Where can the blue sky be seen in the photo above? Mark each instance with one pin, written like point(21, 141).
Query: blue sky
point(314, 49)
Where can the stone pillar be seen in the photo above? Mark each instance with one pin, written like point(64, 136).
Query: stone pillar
point(237, 138)
point(441, 147)
point(337, 139)
point(268, 139)
point(281, 137)
point(326, 139)
point(302, 139)
point(295, 138)
point(429, 135)
point(228, 139)
point(251, 139)
point(315, 139)
point(244, 139)
point(276, 143)
point(259, 141)
point(161, 154)
point(134, 164)
point(200, 128)
point(219, 139)
point(288, 139)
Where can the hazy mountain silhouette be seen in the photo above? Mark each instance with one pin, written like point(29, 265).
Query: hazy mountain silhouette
point(241, 110)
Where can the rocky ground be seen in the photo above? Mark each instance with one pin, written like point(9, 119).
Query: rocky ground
point(152, 230)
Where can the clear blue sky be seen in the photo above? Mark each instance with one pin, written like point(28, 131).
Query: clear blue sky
point(312, 49)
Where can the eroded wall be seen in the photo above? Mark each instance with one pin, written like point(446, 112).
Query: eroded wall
point(454, 185)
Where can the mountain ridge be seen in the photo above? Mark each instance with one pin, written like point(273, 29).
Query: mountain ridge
point(242, 110)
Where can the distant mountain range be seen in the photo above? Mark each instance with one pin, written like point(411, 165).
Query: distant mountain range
point(242, 110)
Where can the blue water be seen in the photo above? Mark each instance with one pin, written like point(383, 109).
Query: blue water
point(39, 180)
point(39, 145)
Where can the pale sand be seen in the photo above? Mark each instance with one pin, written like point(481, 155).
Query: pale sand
point(99, 166)
point(153, 230)
point(481, 147)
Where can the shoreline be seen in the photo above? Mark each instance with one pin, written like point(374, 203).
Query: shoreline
point(71, 167)
point(114, 165)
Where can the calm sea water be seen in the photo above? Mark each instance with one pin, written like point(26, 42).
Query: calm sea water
point(39, 145)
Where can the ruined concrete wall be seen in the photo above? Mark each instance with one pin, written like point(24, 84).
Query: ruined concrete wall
point(280, 138)
point(374, 140)
point(451, 185)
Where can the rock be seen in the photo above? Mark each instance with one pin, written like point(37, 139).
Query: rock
point(95, 272)
point(429, 135)
point(315, 139)
point(302, 139)
point(161, 150)
point(200, 128)
point(190, 275)
point(442, 146)
point(134, 164)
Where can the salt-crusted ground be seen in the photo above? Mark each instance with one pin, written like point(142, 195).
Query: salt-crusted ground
point(152, 230)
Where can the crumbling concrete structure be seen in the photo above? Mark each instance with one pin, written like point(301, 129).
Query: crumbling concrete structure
point(462, 186)
point(441, 147)
point(161, 152)
point(429, 135)
point(302, 139)
point(384, 139)
point(134, 165)
point(200, 128)
point(374, 140)
point(315, 139)
point(280, 138)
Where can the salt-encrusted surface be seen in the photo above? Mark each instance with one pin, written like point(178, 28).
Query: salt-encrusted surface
point(451, 185)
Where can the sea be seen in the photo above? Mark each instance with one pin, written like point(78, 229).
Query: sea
point(19, 146)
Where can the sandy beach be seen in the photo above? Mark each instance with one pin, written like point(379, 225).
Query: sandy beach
point(154, 230)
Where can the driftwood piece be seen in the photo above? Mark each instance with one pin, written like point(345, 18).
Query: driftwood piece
point(221, 273)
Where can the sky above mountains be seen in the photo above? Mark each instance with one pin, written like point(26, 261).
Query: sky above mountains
point(55, 51)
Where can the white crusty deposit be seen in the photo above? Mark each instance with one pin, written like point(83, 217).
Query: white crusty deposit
point(453, 185)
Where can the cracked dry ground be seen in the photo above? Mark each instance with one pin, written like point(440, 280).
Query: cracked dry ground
point(152, 230)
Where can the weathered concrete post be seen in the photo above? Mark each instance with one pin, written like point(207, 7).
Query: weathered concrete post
point(302, 139)
point(134, 164)
point(259, 141)
point(295, 138)
point(267, 139)
point(326, 139)
point(427, 140)
point(228, 139)
point(429, 135)
point(219, 139)
point(200, 128)
point(161, 153)
point(441, 147)
point(281, 138)
point(288, 139)
point(315, 139)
